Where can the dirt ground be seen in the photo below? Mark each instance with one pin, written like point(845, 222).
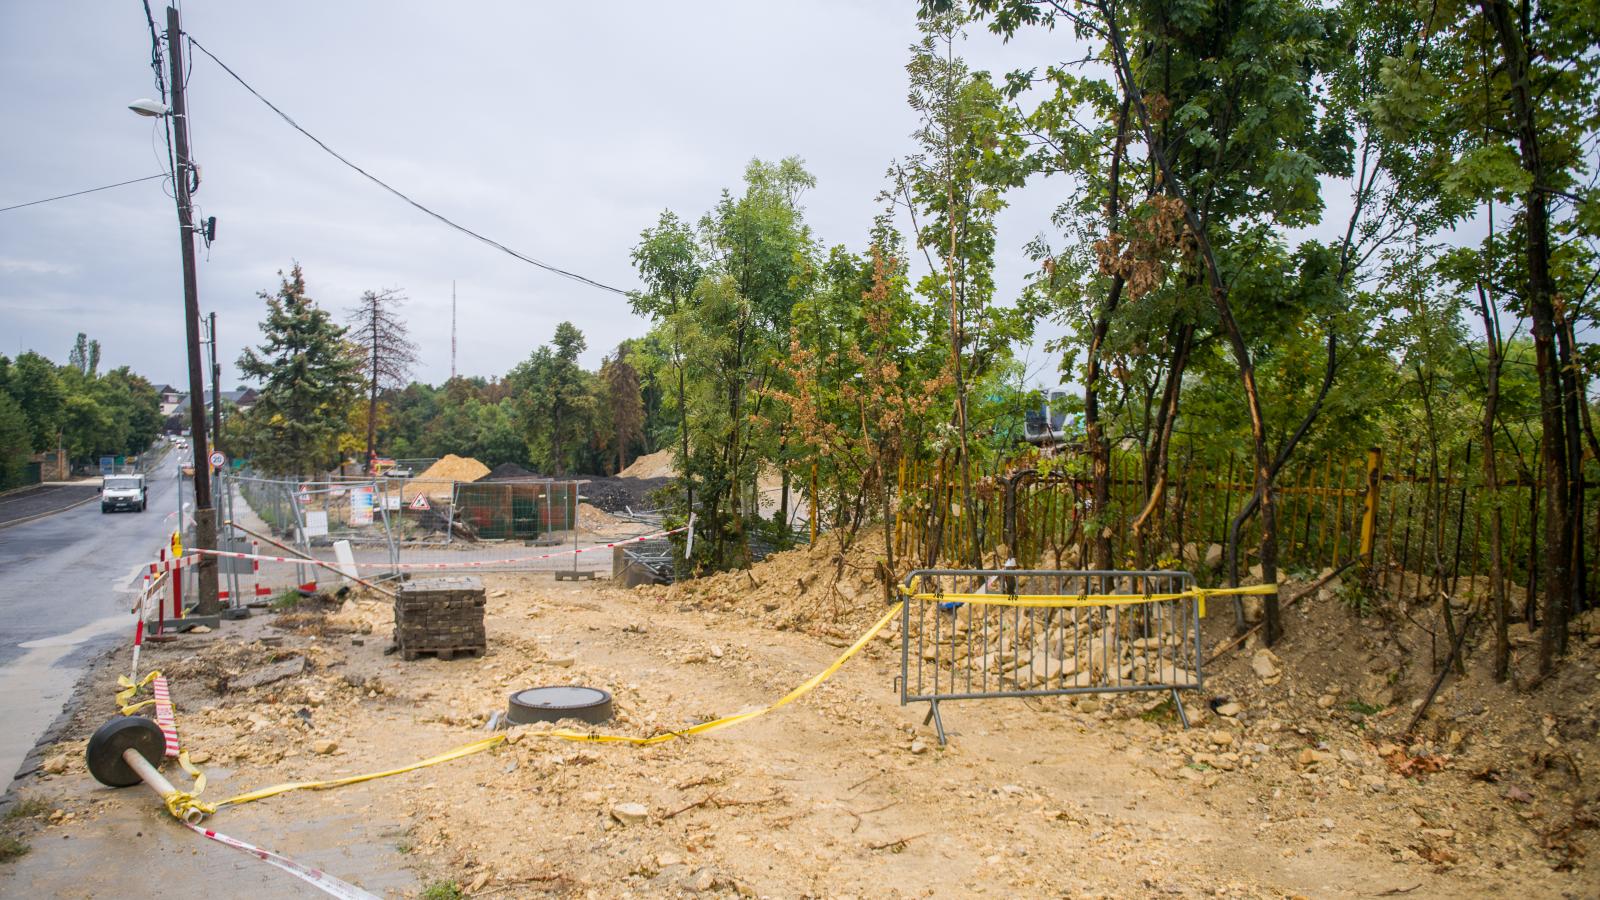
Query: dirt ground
point(1302, 792)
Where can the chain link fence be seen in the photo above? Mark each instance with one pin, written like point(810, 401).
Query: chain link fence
point(396, 526)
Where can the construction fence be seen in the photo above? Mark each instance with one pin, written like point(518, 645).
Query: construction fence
point(1426, 527)
point(397, 525)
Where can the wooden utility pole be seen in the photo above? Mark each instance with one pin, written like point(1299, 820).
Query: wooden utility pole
point(205, 517)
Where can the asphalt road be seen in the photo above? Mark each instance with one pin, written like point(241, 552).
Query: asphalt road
point(66, 581)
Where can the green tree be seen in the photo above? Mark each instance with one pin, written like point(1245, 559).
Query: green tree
point(309, 379)
point(669, 262)
point(1226, 102)
point(967, 153)
point(1501, 104)
point(16, 443)
point(85, 356)
point(758, 253)
point(555, 399)
point(35, 384)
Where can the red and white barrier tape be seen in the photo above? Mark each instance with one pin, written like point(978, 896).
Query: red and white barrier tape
point(317, 878)
point(164, 717)
point(195, 553)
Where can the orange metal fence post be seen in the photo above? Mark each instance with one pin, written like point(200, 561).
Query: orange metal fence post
point(1369, 516)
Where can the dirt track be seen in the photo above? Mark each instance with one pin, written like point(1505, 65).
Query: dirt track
point(841, 794)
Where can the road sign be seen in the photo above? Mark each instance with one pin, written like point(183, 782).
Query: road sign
point(362, 501)
point(420, 503)
point(218, 460)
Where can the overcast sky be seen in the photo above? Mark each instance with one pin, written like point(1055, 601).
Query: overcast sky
point(559, 130)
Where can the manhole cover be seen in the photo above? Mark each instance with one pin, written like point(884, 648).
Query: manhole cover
point(547, 704)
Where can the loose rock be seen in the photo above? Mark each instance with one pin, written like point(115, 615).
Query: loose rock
point(630, 813)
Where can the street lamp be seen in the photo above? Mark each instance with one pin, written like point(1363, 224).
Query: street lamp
point(144, 106)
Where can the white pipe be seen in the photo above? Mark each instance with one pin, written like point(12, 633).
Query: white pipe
point(157, 782)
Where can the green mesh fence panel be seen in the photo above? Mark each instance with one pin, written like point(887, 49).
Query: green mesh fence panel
point(516, 510)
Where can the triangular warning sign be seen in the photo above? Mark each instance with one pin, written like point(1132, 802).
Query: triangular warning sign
point(420, 502)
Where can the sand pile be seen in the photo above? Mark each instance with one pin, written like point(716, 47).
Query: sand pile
point(454, 468)
point(438, 480)
point(805, 589)
point(652, 465)
point(592, 518)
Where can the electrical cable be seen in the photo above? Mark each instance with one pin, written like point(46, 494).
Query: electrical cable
point(380, 183)
point(106, 187)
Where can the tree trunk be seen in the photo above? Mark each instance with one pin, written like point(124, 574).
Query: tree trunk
point(1156, 462)
point(1558, 551)
point(956, 339)
point(372, 397)
point(1491, 483)
point(1094, 430)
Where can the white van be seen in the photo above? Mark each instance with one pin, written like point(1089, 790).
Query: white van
point(123, 492)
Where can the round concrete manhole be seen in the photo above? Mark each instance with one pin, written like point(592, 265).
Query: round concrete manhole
point(548, 704)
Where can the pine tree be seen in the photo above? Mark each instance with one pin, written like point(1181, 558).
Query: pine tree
point(554, 400)
point(626, 401)
point(310, 376)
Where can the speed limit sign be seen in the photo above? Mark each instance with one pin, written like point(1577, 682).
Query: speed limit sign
point(217, 459)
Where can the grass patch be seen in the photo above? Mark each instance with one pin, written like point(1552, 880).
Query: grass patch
point(1356, 599)
point(285, 600)
point(12, 847)
point(1161, 712)
point(29, 807)
point(442, 890)
point(1365, 709)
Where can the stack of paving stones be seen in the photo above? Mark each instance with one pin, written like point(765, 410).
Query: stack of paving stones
point(442, 616)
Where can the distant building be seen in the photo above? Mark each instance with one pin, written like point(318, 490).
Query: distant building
point(241, 399)
point(171, 400)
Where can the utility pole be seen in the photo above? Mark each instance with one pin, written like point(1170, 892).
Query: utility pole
point(216, 383)
point(205, 517)
point(452, 329)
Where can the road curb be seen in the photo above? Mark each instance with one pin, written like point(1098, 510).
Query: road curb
point(26, 519)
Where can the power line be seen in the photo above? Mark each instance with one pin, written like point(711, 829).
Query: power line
point(81, 193)
point(380, 183)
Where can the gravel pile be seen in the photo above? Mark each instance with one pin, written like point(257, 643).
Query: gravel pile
point(617, 495)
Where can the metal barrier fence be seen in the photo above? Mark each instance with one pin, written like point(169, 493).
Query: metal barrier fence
point(970, 634)
point(398, 525)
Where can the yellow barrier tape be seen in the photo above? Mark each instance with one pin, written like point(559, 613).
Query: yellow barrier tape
point(568, 734)
point(1080, 600)
point(180, 803)
point(131, 688)
point(263, 793)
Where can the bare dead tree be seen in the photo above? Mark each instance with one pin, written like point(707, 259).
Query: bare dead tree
point(388, 354)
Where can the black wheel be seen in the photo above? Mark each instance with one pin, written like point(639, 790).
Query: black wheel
point(104, 754)
point(104, 508)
